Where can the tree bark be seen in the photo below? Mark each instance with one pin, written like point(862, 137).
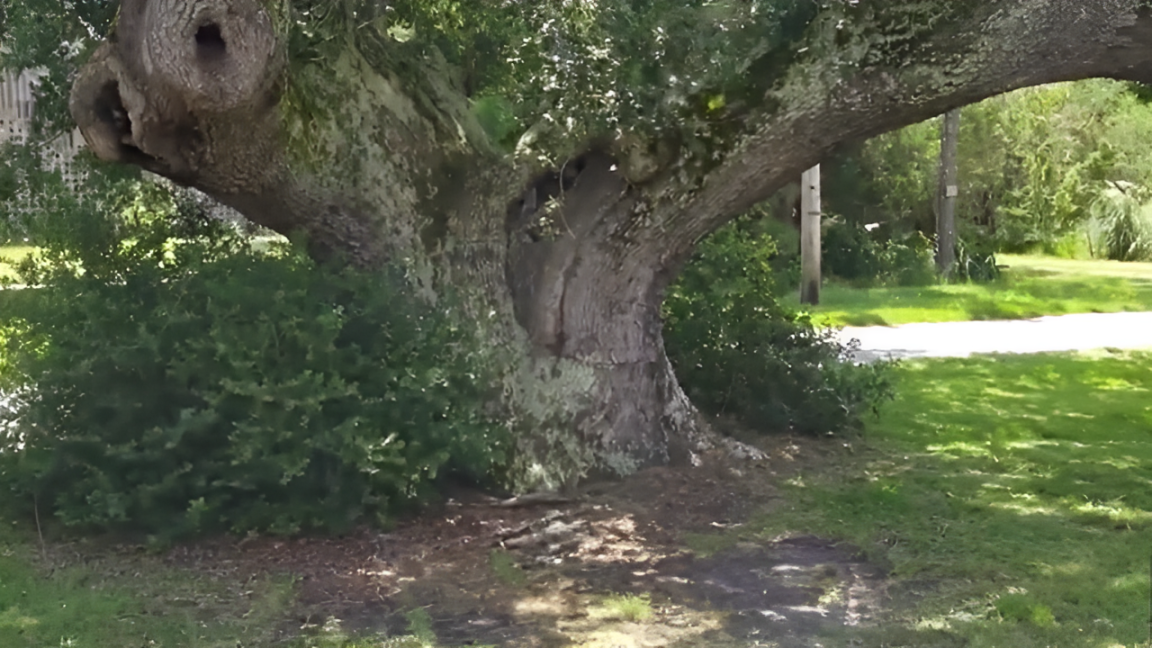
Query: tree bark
point(810, 236)
point(948, 190)
point(563, 268)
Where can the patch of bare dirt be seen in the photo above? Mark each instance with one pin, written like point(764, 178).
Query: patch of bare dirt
point(542, 572)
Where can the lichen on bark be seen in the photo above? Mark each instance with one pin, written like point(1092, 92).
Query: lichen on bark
point(356, 126)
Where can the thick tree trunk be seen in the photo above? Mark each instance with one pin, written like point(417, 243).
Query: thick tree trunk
point(563, 268)
point(588, 291)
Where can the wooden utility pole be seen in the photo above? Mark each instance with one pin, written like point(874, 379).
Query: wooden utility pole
point(946, 194)
point(810, 236)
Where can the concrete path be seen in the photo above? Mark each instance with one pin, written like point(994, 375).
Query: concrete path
point(961, 339)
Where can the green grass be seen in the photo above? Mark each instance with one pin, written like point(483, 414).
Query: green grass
point(1012, 495)
point(1030, 287)
point(624, 607)
point(505, 568)
point(129, 600)
point(11, 255)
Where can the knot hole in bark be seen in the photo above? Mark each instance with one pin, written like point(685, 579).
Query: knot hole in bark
point(109, 109)
point(529, 213)
point(210, 45)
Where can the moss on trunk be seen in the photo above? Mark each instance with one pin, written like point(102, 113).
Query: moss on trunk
point(369, 147)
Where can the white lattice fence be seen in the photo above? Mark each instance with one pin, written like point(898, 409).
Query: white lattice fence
point(17, 103)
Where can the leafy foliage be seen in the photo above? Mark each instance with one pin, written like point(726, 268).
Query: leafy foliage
point(174, 379)
point(976, 257)
point(566, 70)
point(889, 180)
point(1122, 230)
point(738, 351)
point(561, 73)
point(849, 251)
point(54, 37)
point(1035, 166)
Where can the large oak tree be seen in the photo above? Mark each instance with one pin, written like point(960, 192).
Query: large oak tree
point(555, 160)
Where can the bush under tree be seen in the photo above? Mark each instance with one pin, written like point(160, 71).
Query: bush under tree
point(172, 379)
point(739, 352)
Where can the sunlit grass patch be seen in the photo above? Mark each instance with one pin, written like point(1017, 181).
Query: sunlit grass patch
point(10, 255)
point(1030, 287)
point(623, 607)
point(129, 600)
point(708, 544)
point(505, 568)
point(420, 624)
point(1019, 487)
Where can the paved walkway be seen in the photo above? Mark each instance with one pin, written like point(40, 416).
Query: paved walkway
point(961, 339)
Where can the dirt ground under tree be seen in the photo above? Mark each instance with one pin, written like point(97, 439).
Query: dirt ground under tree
point(653, 560)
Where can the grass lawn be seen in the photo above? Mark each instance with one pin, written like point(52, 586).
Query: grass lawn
point(1030, 287)
point(128, 600)
point(1011, 497)
point(9, 256)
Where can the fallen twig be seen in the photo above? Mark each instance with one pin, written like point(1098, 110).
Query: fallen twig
point(532, 499)
point(39, 533)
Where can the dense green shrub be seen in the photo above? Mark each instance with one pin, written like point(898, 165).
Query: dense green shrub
point(890, 179)
point(1120, 226)
point(849, 251)
point(174, 380)
point(976, 258)
point(1052, 201)
point(785, 257)
point(738, 351)
point(19, 167)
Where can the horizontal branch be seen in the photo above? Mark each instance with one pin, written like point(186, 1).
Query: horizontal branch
point(1001, 45)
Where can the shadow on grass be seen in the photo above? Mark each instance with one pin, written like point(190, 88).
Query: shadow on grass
point(990, 309)
point(863, 319)
point(1022, 293)
point(1014, 495)
point(81, 595)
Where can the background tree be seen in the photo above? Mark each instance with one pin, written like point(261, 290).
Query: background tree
point(1039, 172)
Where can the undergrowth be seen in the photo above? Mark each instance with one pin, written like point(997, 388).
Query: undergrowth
point(737, 350)
point(173, 380)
